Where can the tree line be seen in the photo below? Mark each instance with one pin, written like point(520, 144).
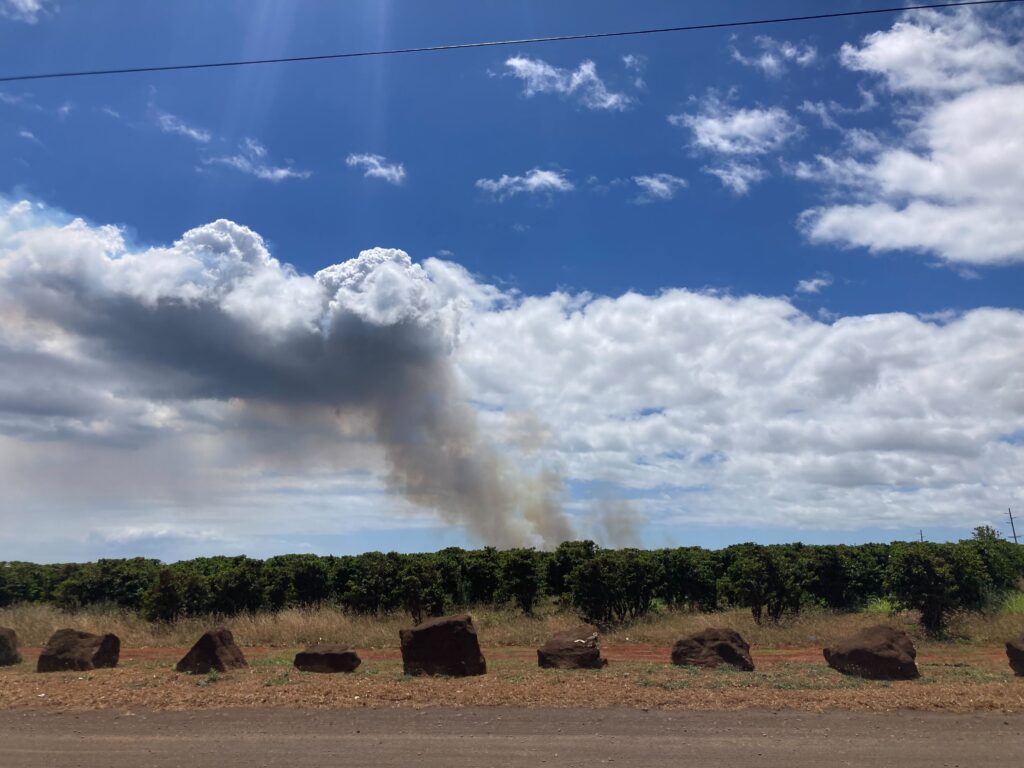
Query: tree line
point(605, 586)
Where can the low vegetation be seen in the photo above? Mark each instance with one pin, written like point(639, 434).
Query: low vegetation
point(776, 584)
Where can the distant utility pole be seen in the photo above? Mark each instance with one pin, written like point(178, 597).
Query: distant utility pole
point(921, 531)
point(1009, 513)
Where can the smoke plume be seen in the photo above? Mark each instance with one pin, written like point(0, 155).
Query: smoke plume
point(216, 319)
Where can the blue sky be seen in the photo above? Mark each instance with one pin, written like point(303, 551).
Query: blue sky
point(551, 175)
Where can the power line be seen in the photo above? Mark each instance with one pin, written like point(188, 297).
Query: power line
point(497, 43)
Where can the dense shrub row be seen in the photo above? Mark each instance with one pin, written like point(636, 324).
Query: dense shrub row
point(605, 586)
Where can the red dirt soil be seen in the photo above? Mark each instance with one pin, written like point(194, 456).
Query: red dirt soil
point(655, 654)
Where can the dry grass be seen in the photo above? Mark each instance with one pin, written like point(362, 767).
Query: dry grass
point(35, 623)
point(513, 679)
point(294, 627)
point(967, 675)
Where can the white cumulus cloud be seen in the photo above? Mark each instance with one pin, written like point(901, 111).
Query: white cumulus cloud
point(658, 187)
point(813, 284)
point(737, 176)
point(713, 408)
point(377, 167)
point(933, 52)
point(720, 128)
point(197, 384)
point(951, 186)
point(539, 76)
point(534, 181)
point(737, 136)
point(774, 56)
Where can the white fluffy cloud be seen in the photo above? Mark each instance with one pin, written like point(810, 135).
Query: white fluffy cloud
point(713, 408)
point(720, 128)
point(774, 56)
point(211, 364)
point(251, 159)
point(737, 136)
point(813, 284)
point(932, 52)
point(207, 388)
point(533, 182)
point(377, 167)
point(737, 176)
point(658, 187)
point(583, 82)
point(29, 11)
point(952, 186)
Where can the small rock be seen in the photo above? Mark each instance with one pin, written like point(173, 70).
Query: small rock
point(712, 648)
point(214, 651)
point(70, 649)
point(877, 653)
point(327, 658)
point(443, 646)
point(9, 655)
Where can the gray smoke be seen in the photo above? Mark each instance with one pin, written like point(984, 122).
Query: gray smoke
point(215, 318)
point(618, 522)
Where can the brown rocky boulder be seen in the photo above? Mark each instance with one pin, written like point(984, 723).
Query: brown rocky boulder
point(713, 648)
point(70, 649)
point(877, 653)
point(325, 657)
point(442, 646)
point(8, 647)
point(214, 651)
point(1015, 653)
point(573, 649)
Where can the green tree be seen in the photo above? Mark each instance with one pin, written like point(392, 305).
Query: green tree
point(123, 583)
point(373, 584)
point(937, 580)
point(483, 575)
point(422, 587)
point(689, 578)
point(766, 579)
point(614, 587)
point(521, 578)
point(563, 561)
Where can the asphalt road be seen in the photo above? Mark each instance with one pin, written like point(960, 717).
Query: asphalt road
point(489, 738)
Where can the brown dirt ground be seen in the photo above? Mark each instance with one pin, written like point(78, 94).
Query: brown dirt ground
point(507, 737)
point(954, 655)
point(958, 679)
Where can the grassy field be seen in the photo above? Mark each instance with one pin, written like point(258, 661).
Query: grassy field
point(35, 623)
point(965, 672)
point(965, 681)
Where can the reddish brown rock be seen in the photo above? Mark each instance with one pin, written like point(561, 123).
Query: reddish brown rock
point(70, 649)
point(573, 649)
point(712, 648)
point(1015, 653)
point(442, 646)
point(8, 647)
point(214, 651)
point(877, 653)
point(328, 658)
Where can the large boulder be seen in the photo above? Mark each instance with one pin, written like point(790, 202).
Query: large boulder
point(214, 651)
point(572, 649)
point(70, 649)
point(878, 653)
point(442, 646)
point(325, 657)
point(8, 647)
point(712, 648)
point(1015, 653)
